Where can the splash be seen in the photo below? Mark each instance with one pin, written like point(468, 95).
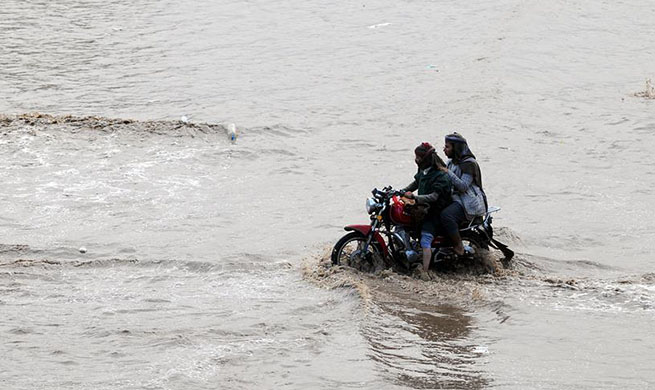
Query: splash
point(467, 289)
point(462, 284)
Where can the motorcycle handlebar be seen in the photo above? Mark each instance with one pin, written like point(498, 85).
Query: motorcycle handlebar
point(386, 192)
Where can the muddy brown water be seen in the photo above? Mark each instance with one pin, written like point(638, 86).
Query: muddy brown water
point(205, 259)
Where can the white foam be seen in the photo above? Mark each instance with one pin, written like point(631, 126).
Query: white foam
point(373, 26)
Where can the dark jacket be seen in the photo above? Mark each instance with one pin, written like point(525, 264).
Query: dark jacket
point(434, 188)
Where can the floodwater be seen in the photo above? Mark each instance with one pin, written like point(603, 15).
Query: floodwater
point(203, 257)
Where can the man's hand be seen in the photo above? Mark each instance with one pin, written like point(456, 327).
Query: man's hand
point(409, 195)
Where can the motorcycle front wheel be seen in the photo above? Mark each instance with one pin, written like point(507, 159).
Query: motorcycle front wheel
point(348, 251)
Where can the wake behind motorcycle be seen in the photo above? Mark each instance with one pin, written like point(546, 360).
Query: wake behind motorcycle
point(391, 240)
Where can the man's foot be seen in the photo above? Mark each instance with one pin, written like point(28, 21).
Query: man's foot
point(426, 276)
point(459, 249)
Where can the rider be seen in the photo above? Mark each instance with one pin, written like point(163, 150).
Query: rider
point(469, 199)
point(434, 189)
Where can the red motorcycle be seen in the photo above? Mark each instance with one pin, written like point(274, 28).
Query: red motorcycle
point(391, 240)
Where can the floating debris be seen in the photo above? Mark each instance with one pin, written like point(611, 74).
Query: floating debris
point(232, 132)
point(649, 93)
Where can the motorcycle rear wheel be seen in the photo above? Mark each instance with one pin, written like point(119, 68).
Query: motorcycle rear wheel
point(347, 252)
point(475, 263)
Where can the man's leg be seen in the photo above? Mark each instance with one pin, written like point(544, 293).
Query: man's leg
point(451, 217)
point(426, 246)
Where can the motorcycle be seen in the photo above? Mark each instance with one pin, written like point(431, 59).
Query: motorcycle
point(391, 240)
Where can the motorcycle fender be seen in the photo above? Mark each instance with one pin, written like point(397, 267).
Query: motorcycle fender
point(365, 230)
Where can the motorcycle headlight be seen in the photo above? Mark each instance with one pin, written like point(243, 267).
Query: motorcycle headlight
point(371, 205)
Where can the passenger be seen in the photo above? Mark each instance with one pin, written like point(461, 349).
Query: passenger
point(434, 190)
point(469, 199)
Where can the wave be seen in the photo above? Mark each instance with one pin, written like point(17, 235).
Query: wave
point(14, 248)
point(277, 131)
point(23, 257)
point(33, 123)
